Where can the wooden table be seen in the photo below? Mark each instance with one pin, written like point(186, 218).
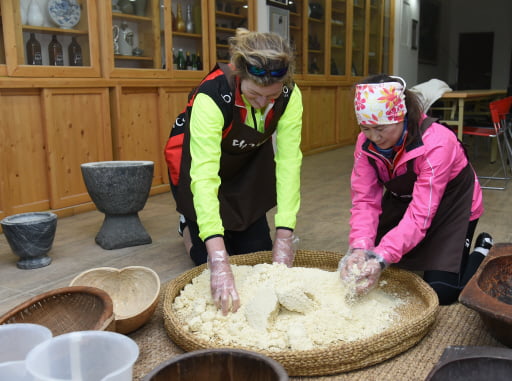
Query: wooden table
point(459, 99)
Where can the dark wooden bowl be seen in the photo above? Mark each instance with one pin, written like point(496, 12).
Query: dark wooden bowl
point(67, 309)
point(219, 365)
point(460, 363)
point(489, 292)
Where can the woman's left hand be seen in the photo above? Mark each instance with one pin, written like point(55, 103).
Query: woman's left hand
point(284, 249)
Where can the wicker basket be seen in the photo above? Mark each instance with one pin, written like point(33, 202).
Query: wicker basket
point(134, 291)
point(66, 309)
point(416, 319)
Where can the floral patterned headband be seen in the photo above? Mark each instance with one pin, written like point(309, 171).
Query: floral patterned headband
point(380, 103)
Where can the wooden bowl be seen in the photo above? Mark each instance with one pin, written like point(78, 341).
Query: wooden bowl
point(67, 309)
point(489, 292)
point(219, 365)
point(134, 291)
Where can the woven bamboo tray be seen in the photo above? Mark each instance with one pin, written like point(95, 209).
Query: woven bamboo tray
point(67, 309)
point(416, 319)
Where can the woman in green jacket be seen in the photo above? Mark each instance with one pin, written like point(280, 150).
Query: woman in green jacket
point(225, 171)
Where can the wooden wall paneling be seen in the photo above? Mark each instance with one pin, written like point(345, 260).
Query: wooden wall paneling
point(23, 166)
point(77, 125)
point(173, 102)
point(305, 141)
point(321, 118)
point(347, 128)
point(136, 132)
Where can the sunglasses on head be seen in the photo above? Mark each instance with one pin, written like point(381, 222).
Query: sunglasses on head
point(260, 72)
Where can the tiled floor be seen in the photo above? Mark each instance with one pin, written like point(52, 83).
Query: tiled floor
point(322, 225)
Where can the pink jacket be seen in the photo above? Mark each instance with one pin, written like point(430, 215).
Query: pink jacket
point(436, 162)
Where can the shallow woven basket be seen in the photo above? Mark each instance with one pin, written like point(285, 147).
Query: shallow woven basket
point(134, 291)
point(66, 309)
point(416, 319)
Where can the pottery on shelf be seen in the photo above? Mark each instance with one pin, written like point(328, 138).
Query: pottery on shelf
point(119, 189)
point(35, 16)
point(140, 7)
point(23, 12)
point(30, 236)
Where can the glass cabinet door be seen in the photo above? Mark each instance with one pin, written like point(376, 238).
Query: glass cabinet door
point(386, 53)
point(189, 36)
point(296, 27)
point(375, 37)
point(338, 37)
point(358, 37)
point(316, 37)
point(136, 34)
point(52, 38)
point(3, 69)
point(227, 16)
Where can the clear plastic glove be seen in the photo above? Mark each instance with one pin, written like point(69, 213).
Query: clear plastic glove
point(222, 282)
point(362, 269)
point(285, 246)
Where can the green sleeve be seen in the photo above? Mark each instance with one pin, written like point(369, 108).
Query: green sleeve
point(288, 160)
point(206, 123)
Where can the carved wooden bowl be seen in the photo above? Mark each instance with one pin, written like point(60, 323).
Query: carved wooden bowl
point(134, 291)
point(489, 293)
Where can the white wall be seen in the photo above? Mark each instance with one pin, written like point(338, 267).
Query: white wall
point(405, 62)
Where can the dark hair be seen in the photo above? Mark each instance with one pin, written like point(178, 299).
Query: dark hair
point(414, 110)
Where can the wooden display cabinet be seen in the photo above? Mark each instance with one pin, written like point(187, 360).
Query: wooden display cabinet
point(16, 35)
point(225, 17)
point(3, 68)
point(296, 38)
point(338, 38)
point(192, 39)
point(136, 39)
point(359, 44)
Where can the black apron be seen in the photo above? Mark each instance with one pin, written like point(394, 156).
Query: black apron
point(247, 172)
point(442, 248)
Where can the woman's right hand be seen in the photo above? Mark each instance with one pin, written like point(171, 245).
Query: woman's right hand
point(361, 269)
point(222, 281)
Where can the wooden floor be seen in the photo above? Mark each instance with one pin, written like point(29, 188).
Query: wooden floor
point(322, 225)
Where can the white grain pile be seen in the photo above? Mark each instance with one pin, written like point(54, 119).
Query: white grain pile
point(284, 309)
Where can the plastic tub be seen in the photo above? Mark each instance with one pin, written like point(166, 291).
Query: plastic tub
point(16, 340)
point(14, 370)
point(84, 356)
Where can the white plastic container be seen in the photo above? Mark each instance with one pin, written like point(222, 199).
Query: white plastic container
point(14, 371)
point(84, 356)
point(16, 340)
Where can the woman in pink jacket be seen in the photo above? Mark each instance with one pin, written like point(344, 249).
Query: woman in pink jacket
point(415, 197)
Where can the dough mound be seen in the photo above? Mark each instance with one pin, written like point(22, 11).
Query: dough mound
point(285, 309)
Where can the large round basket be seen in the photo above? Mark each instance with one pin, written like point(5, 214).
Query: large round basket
point(416, 319)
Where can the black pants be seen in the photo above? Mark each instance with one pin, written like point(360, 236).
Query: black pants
point(448, 285)
point(255, 238)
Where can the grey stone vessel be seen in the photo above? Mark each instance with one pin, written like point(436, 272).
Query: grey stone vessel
point(30, 236)
point(119, 189)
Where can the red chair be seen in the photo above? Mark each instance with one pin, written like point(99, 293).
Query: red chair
point(502, 133)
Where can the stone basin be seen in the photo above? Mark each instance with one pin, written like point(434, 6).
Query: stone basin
point(489, 292)
point(30, 236)
point(119, 189)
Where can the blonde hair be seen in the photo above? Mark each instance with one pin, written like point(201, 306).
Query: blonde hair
point(268, 51)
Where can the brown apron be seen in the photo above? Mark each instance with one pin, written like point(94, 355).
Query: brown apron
point(443, 245)
point(247, 172)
